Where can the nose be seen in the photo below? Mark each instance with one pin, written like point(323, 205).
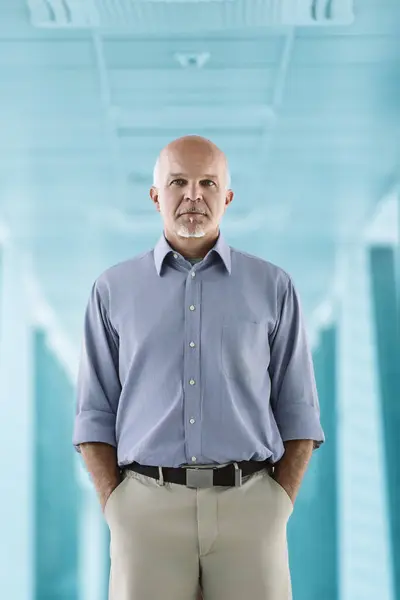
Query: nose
point(193, 192)
point(194, 205)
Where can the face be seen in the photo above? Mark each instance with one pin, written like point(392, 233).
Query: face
point(191, 194)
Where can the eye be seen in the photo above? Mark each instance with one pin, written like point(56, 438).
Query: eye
point(209, 182)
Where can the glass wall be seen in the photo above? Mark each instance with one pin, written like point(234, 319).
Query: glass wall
point(303, 98)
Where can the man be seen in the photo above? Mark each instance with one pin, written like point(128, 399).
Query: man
point(197, 410)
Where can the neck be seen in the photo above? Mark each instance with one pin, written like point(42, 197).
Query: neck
point(191, 247)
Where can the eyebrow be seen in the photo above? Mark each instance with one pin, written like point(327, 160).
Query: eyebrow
point(183, 175)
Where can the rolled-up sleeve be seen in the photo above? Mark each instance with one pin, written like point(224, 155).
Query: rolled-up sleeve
point(294, 398)
point(98, 385)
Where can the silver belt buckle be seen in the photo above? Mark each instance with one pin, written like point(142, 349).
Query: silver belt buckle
point(203, 478)
point(199, 478)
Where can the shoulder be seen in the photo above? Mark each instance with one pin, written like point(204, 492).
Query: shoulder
point(116, 277)
point(274, 274)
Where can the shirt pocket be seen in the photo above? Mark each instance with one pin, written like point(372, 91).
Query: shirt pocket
point(244, 349)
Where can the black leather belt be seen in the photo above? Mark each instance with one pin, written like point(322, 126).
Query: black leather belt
point(197, 477)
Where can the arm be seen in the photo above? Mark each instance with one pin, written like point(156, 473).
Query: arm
point(101, 463)
point(294, 398)
point(290, 469)
point(98, 392)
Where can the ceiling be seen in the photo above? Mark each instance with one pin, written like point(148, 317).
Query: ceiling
point(308, 115)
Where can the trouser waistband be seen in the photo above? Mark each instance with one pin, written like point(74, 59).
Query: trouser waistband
point(202, 475)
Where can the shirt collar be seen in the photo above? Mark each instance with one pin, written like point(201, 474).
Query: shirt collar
point(162, 249)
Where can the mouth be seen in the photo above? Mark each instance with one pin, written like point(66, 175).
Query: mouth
point(192, 213)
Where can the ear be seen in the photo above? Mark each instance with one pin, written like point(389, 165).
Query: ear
point(154, 194)
point(229, 197)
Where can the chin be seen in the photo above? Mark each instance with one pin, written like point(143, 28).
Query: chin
point(190, 234)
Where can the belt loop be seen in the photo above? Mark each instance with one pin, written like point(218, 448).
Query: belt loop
point(160, 481)
point(238, 475)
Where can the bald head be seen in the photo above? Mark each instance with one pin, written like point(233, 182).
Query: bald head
point(191, 189)
point(193, 150)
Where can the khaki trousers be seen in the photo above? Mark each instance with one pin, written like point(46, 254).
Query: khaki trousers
point(164, 538)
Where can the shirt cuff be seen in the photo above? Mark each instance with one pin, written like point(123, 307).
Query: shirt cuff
point(94, 426)
point(300, 421)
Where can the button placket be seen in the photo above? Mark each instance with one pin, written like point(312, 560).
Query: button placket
point(192, 380)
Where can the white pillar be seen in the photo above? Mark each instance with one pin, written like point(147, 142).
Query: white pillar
point(92, 543)
point(364, 542)
point(16, 439)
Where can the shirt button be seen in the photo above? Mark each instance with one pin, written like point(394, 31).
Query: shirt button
point(191, 307)
point(193, 274)
point(191, 421)
point(192, 382)
point(194, 459)
point(175, 256)
point(192, 344)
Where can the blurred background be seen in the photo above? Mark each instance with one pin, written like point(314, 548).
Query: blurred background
point(303, 96)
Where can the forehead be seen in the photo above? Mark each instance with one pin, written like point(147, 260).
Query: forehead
point(193, 162)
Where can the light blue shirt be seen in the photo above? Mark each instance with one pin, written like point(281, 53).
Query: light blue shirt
point(201, 363)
